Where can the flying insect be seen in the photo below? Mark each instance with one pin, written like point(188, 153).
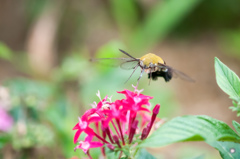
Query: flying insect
point(150, 63)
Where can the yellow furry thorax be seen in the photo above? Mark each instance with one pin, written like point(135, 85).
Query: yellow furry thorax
point(151, 58)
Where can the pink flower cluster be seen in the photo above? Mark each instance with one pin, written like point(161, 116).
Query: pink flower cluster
point(118, 122)
point(6, 121)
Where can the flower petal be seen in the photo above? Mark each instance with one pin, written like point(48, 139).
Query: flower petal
point(76, 127)
point(76, 136)
point(95, 144)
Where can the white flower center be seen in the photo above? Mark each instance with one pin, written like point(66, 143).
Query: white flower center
point(137, 99)
point(85, 145)
point(82, 124)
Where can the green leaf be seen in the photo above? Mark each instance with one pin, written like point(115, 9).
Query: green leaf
point(112, 154)
point(129, 16)
point(227, 80)
point(191, 128)
point(163, 17)
point(227, 150)
point(4, 139)
point(25, 87)
point(143, 154)
point(5, 52)
point(109, 50)
point(236, 126)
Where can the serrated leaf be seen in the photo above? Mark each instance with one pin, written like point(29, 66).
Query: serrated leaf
point(236, 126)
point(234, 103)
point(227, 80)
point(227, 150)
point(143, 154)
point(191, 128)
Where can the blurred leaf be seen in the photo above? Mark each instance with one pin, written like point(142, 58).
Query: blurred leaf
point(62, 117)
point(236, 126)
point(34, 7)
point(161, 20)
point(236, 107)
point(72, 67)
point(95, 153)
point(191, 128)
point(199, 157)
point(4, 139)
point(112, 154)
point(143, 154)
point(28, 98)
point(125, 13)
point(227, 80)
point(24, 87)
point(230, 42)
point(5, 52)
point(227, 150)
point(33, 135)
point(109, 50)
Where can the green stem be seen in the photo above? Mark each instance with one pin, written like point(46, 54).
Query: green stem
point(135, 152)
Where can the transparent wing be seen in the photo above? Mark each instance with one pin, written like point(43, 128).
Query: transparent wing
point(130, 64)
point(176, 73)
point(124, 63)
point(183, 76)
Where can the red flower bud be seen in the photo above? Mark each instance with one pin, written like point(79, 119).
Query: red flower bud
point(156, 109)
point(115, 138)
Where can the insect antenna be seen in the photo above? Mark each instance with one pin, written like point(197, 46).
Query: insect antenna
point(132, 73)
point(128, 54)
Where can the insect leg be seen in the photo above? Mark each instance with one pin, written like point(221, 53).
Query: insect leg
point(150, 73)
point(140, 76)
point(151, 66)
point(132, 73)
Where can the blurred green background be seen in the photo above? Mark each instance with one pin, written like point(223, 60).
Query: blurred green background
point(48, 81)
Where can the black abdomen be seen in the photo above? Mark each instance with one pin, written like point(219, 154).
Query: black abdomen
point(166, 75)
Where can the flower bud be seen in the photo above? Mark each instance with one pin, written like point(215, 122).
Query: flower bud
point(110, 146)
point(115, 138)
point(133, 130)
point(144, 133)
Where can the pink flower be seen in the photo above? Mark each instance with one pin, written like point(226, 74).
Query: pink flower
point(87, 144)
point(135, 101)
point(6, 121)
point(126, 116)
point(116, 112)
point(83, 124)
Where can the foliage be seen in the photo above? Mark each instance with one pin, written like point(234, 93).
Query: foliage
point(191, 128)
point(228, 150)
point(236, 126)
point(142, 154)
point(229, 82)
point(157, 23)
point(47, 109)
point(5, 52)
